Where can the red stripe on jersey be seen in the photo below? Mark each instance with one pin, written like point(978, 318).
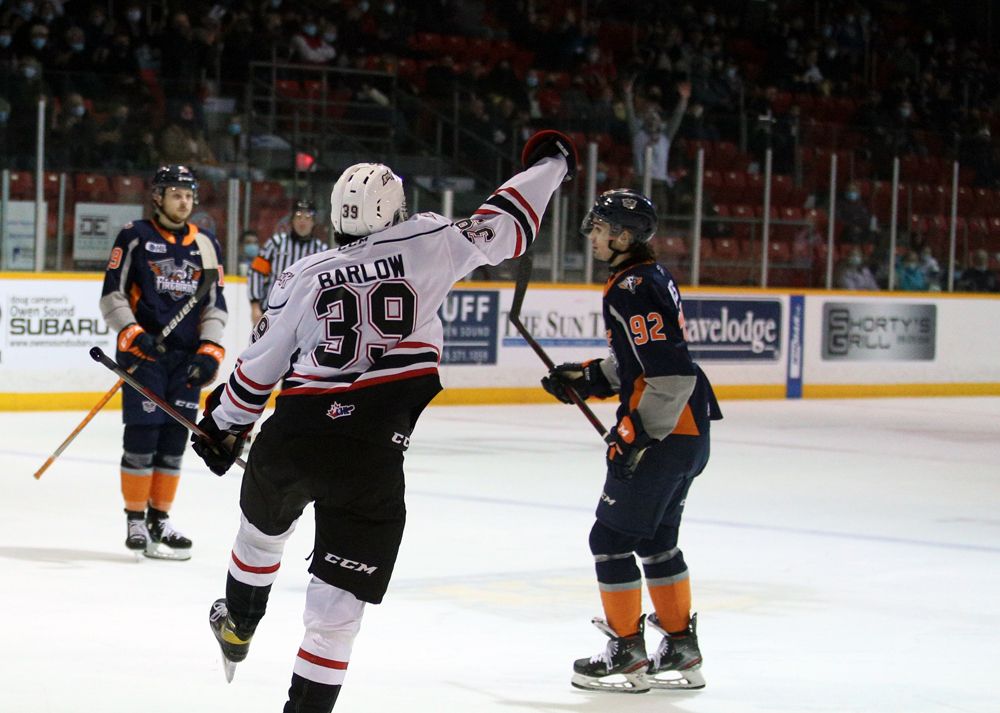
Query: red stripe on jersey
point(320, 661)
point(251, 383)
point(484, 211)
point(255, 570)
point(524, 204)
point(417, 345)
point(307, 390)
point(520, 239)
point(237, 404)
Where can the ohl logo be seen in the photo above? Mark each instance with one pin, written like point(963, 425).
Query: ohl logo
point(178, 281)
point(337, 410)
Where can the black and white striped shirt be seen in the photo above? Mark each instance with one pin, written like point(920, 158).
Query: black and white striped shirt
point(278, 253)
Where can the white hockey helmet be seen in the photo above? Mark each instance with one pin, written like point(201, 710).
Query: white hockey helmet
point(367, 197)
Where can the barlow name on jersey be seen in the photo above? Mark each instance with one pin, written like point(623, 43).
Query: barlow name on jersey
point(381, 269)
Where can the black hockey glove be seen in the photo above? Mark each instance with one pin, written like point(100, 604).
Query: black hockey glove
point(222, 448)
point(549, 142)
point(628, 448)
point(586, 379)
point(135, 344)
point(204, 364)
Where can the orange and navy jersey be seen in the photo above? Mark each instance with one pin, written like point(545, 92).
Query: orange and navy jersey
point(644, 319)
point(151, 273)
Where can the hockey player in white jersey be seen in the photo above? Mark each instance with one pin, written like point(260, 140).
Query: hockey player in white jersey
point(359, 327)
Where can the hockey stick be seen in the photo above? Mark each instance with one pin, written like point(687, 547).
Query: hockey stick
point(520, 288)
point(99, 356)
point(210, 275)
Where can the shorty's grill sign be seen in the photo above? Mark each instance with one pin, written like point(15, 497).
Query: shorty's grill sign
point(860, 331)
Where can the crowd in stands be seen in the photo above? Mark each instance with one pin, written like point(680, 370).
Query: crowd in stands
point(127, 84)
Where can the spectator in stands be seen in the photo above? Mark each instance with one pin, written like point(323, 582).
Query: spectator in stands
point(249, 249)
point(696, 126)
point(978, 277)
point(909, 275)
point(73, 64)
point(26, 88)
point(37, 46)
point(854, 274)
point(648, 132)
point(8, 60)
point(184, 141)
point(930, 267)
point(854, 215)
point(183, 58)
point(74, 135)
point(310, 46)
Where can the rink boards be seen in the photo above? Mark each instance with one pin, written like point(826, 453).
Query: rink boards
point(752, 343)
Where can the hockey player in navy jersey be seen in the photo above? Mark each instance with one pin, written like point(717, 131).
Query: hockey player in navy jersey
point(359, 325)
point(660, 444)
point(155, 269)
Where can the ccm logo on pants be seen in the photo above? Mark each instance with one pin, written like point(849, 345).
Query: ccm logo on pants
point(350, 564)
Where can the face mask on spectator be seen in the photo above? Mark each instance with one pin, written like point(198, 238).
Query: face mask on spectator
point(363, 6)
point(731, 72)
point(531, 80)
point(78, 110)
point(827, 31)
point(330, 37)
point(30, 72)
point(309, 29)
point(601, 176)
point(134, 15)
point(854, 261)
point(39, 42)
point(76, 46)
point(275, 3)
point(27, 9)
point(851, 195)
point(251, 250)
point(4, 116)
point(904, 111)
point(235, 128)
point(831, 53)
point(4, 40)
point(390, 8)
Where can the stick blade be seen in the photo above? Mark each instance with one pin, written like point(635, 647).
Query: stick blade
point(521, 279)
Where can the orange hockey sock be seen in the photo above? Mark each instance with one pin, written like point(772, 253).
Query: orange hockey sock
point(135, 490)
point(672, 603)
point(163, 490)
point(622, 609)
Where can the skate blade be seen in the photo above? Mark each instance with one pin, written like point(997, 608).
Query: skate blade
point(228, 668)
point(160, 551)
point(615, 683)
point(676, 680)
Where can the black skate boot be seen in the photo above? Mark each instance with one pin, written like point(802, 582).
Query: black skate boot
point(137, 536)
point(677, 660)
point(165, 542)
point(621, 667)
point(234, 644)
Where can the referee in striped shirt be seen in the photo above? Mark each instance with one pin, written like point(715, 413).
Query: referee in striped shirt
point(283, 249)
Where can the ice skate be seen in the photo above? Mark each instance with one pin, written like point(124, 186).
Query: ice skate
point(165, 543)
point(620, 668)
point(137, 536)
point(677, 659)
point(234, 647)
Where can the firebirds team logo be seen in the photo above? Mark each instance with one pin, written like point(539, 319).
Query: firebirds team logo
point(339, 410)
point(630, 283)
point(178, 281)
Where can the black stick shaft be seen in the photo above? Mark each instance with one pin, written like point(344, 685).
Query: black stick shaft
point(99, 356)
point(520, 288)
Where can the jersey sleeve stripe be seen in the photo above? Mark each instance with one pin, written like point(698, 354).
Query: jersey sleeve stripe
point(236, 402)
point(514, 212)
point(524, 204)
point(249, 383)
point(369, 379)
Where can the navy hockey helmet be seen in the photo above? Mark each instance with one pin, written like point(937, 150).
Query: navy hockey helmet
point(176, 176)
point(303, 205)
point(622, 209)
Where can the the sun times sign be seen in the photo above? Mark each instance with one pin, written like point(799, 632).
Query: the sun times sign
point(870, 331)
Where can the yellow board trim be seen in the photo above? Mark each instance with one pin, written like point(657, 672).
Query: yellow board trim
point(84, 401)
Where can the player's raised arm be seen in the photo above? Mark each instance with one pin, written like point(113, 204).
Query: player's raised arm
point(506, 224)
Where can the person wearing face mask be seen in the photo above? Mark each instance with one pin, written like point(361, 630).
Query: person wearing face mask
point(854, 274)
point(978, 277)
point(74, 135)
point(309, 45)
point(37, 46)
point(854, 215)
point(909, 275)
point(285, 247)
point(184, 141)
point(249, 250)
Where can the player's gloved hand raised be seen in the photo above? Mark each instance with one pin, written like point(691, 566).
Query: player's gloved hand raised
point(135, 344)
point(549, 142)
point(585, 378)
point(204, 364)
point(628, 448)
point(223, 447)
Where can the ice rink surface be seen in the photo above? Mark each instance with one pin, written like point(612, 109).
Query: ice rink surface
point(845, 556)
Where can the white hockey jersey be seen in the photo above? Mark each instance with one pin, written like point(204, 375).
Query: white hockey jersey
point(355, 330)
